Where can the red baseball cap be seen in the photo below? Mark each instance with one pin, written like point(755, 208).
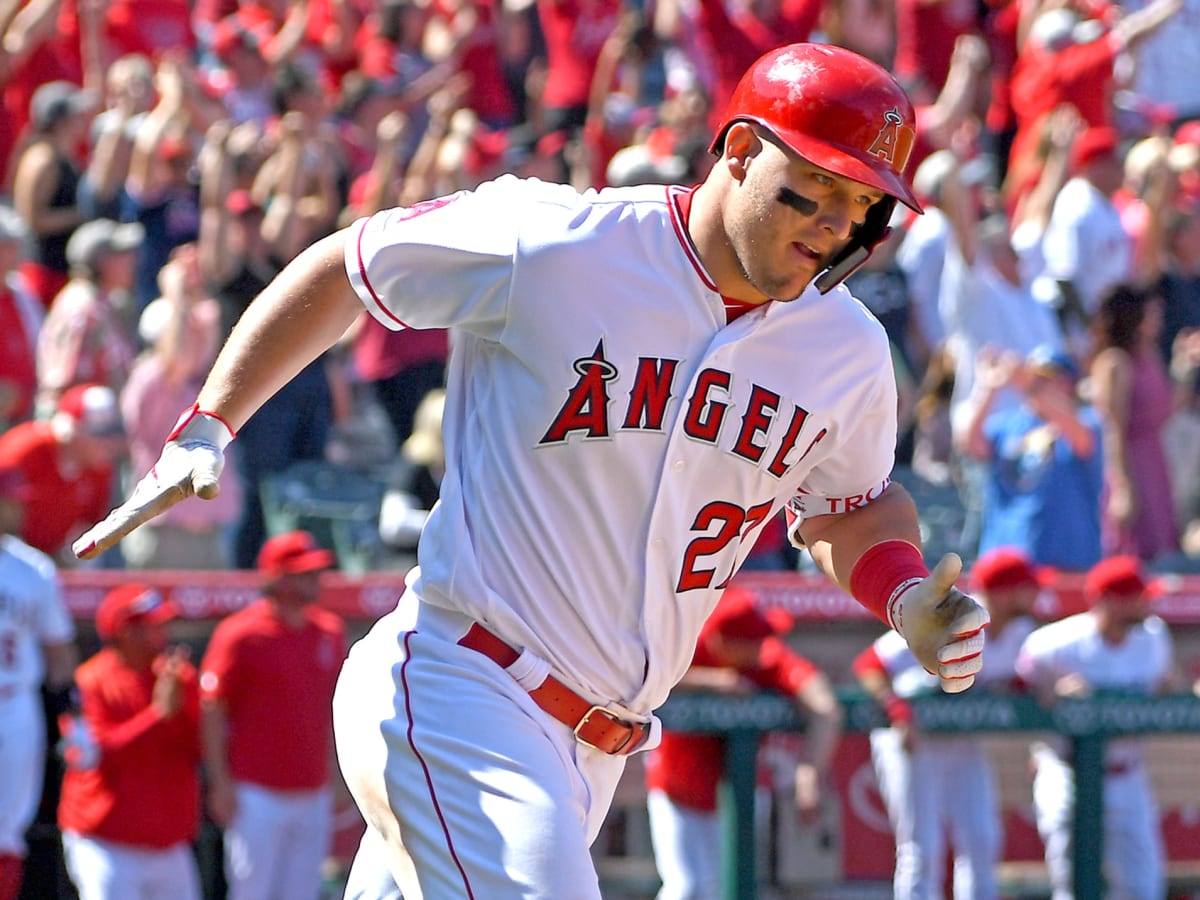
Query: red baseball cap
point(14, 485)
point(738, 615)
point(131, 603)
point(1118, 577)
point(1003, 568)
point(92, 409)
point(293, 553)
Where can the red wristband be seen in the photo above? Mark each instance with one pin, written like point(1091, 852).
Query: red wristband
point(881, 571)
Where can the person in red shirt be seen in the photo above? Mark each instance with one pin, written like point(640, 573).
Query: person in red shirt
point(574, 32)
point(130, 802)
point(266, 684)
point(1066, 59)
point(68, 463)
point(739, 650)
point(21, 319)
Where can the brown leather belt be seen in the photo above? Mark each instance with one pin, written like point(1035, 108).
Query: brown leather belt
point(593, 725)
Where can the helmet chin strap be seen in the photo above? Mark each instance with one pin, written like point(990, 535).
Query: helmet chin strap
point(846, 265)
point(867, 236)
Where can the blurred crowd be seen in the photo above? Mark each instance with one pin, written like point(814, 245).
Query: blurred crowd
point(162, 160)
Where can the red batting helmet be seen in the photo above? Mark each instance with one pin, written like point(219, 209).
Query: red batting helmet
point(836, 109)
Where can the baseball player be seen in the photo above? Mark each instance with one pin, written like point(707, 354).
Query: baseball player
point(739, 649)
point(935, 786)
point(267, 683)
point(641, 377)
point(1115, 645)
point(37, 642)
point(130, 803)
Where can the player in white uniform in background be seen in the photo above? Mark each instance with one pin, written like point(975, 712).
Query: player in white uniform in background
point(939, 787)
point(1116, 645)
point(626, 407)
point(37, 643)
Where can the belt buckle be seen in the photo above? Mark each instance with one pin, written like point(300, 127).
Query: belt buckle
point(608, 714)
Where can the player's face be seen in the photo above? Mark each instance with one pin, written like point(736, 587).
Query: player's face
point(298, 588)
point(790, 218)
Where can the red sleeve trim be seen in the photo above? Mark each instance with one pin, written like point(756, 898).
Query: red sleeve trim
point(362, 271)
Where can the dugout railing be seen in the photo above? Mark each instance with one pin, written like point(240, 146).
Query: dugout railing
point(1087, 723)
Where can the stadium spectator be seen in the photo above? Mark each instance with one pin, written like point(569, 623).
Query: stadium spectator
point(39, 648)
point(1044, 472)
point(986, 301)
point(740, 649)
point(939, 787)
point(1177, 279)
point(21, 317)
point(927, 38)
point(922, 251)
point(181, 330)
point(129, 95)
point(294, 425)
point(574, 32)
point(69, 464)
point(1116, 645)
point(130, 802)
point(160, 192)
point(1086, 248)
point(46, 174)
point(235, 258)
point(88, 335)
point(1135, 398)
point(1066, 58)
point(267, 683)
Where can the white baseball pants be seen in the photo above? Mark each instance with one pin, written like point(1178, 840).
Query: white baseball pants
point(105, 870)
point(944, 784)
point(277, 842)
point(472, 790)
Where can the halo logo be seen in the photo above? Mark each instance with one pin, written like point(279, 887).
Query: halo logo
point(888, 139)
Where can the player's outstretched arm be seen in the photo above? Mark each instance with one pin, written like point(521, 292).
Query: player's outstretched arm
point(873, 553)
point(296, 318)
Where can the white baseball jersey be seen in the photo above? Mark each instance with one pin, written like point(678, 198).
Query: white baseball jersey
point(1074, 646)
point(32, 613)
point(613, 446)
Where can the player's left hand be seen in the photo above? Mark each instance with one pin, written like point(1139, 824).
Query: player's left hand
point(943, 626)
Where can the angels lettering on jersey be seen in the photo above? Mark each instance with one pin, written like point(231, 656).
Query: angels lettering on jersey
point(590, 411)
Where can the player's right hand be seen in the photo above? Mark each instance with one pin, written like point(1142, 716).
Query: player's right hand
point(190, 463)
point(943, 626)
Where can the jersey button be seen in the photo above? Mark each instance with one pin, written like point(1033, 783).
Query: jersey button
point(678, 465)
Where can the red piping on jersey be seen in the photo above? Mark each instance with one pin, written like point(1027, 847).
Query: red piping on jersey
point(437, 807)
point(362, 271)
point(674, 193)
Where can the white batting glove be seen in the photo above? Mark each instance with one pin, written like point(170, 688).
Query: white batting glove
point(190, 463)
point(943, 626)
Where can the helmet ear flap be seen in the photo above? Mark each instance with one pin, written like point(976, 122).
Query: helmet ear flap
point(870, 234)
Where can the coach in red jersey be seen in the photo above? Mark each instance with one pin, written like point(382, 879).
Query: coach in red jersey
point(267, 692)
point(130, 801)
